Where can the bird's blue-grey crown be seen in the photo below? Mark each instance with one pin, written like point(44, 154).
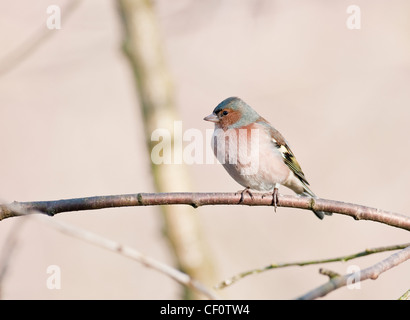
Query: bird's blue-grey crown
point(248, 114)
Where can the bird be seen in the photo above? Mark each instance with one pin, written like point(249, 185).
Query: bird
point(254, 153)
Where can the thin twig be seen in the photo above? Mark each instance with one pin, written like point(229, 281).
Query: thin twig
point(405, 296)
point(271, 266)
point(195, 200)
point(330, 273)
point(372, 272)
point(116, 247)
point(128, 252)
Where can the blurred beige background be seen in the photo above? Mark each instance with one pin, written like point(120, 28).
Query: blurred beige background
point(70, 127)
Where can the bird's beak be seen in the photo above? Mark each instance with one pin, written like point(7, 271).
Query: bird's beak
point(212, 117)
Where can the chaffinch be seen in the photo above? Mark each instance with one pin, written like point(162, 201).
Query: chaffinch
point(254, 153)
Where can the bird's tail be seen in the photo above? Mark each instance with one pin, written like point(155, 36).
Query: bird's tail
point(309, 193)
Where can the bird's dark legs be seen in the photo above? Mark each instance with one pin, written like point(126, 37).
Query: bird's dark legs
point(274, 195)
point(246, 190)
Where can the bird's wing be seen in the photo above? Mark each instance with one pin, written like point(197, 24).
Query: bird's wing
point(288, 157)
point(290, 160)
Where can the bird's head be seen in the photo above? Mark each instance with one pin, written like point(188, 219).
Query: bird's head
point(232, 113)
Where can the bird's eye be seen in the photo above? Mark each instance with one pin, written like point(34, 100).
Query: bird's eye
point(224, 113)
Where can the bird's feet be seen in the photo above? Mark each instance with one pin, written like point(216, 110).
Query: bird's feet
point(242, 192)
point(275, 199)
point(274, 196)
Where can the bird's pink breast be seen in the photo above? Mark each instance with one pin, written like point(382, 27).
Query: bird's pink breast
point(250, 157)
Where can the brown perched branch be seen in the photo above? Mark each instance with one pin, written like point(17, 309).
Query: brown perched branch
point(195, 200)
point(372, 272)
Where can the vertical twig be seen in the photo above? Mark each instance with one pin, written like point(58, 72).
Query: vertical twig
point(142, 45)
